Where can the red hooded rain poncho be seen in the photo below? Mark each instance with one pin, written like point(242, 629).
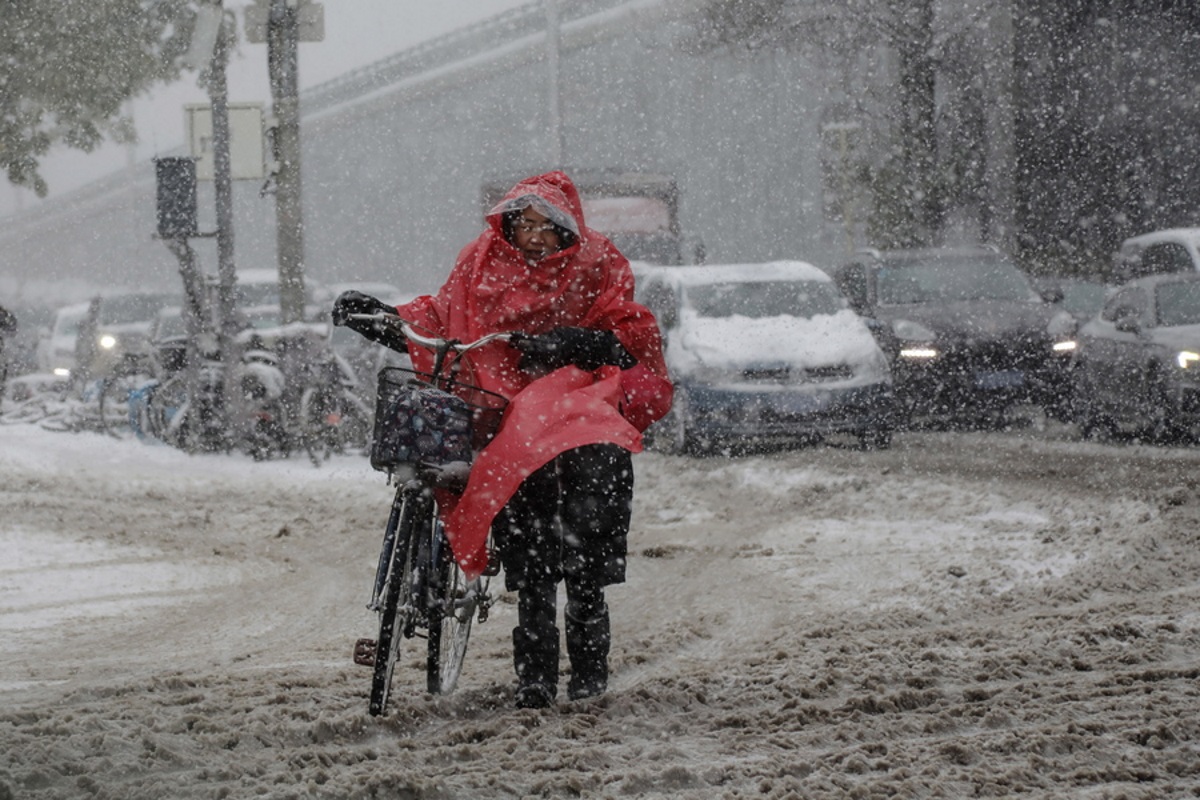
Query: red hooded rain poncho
point(492, 288)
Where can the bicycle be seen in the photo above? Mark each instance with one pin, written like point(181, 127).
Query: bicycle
point(332, 416)
point(427, 427)
point(194, 424)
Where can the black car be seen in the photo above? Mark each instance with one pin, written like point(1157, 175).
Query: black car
point(1137, 366)
point(966, 333)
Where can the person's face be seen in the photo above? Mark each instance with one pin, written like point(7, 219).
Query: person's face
point(534, 236)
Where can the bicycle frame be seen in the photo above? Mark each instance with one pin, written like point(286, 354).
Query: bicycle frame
point(418, 585)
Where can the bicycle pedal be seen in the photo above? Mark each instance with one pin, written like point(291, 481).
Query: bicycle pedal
point(364, 652)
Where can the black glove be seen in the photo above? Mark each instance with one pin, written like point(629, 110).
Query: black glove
point(585, 348)
point(353, 302)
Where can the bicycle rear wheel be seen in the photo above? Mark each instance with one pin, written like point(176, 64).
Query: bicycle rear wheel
point(451, 615)
point(317, 421)
point(398, 615)
point(115, 394)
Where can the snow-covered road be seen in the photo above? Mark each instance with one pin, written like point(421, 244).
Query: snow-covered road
point(980, 614)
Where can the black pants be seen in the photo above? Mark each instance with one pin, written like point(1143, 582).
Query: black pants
point(569, 521)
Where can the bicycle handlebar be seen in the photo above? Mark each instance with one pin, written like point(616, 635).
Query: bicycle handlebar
point(434, 343)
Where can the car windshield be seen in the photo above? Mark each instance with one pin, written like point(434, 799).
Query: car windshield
point(257, 294)
point(68, 324)
point(760, 299)
point(952, 280)
point(170, 325)
point(1178, 303)
point(127, 308)
point(1083, 299)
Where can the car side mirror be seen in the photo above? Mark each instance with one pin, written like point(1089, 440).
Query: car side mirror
point(1052, 294)
point(1128, 323)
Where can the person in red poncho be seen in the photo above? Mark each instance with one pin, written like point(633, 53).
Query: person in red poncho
point(584, 378)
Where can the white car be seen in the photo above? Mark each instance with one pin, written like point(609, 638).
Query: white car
point(1159, 252)
point(56, 351)
point(121, 325)
point(764, 352)
point(260, 287)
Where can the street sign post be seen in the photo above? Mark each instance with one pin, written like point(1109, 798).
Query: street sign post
point(245, 140)
point(310, 21)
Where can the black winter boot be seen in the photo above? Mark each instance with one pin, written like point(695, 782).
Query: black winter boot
point(587, 649)
point(536, 662)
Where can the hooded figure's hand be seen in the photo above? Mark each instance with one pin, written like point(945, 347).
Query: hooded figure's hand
point(585, 348)
point(352, 302)
point(355, 302)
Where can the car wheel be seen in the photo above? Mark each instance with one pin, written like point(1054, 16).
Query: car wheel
point(1162, 427)
point(875, 439)
point(670, 434)
point(1092, 423)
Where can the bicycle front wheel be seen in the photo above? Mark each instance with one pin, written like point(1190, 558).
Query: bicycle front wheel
point(451, 614)
point(398, 614)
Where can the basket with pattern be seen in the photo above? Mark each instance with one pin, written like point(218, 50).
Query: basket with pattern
point(420, 424)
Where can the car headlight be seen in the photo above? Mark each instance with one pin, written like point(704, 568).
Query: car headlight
point(920, 352)
point(1066, 346)
point(1186, 358)
point(108, 341)
point(916, 340)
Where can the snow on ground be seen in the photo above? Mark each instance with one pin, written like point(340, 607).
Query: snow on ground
point(977, 614)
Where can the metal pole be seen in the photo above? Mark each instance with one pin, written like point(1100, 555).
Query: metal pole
point(558, 146)
point(195, 311)
point(282, 57)
point(223, 191)
point(999, 207)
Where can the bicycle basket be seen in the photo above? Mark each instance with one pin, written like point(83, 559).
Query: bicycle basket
point(418, 423)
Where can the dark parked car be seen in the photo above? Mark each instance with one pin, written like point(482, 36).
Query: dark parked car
point(1137, 366)
point(966, 333)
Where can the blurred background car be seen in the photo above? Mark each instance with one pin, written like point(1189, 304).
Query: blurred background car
point(121, 325)
point(110, 333)
point(764, 353)
point(56, 347)
point(1137, 366)
point(1158, 252)
point(21, 346)
point(258, 288)
point(968, 336)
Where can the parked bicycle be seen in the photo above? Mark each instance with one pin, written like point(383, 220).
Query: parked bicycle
point(99, 406)
point(331, 417)
point(427, 428)
point(192, 412)
point(190, 420)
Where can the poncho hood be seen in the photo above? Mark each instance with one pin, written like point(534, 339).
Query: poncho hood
point(552, 195)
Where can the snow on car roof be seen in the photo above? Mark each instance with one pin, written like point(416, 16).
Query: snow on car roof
point(258, 275)
point(688, 275)
point(1166, 235)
